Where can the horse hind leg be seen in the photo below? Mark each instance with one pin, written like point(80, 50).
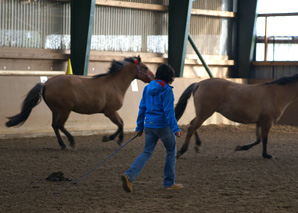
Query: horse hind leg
point(115, 118)
point(198, 140)
point(58, 136)
point(69, 136)
point(194, 125)
point(58, 122)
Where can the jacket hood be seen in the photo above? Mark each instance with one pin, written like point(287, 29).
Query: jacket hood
point(157, 86)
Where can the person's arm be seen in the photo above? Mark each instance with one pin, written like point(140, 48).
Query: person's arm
point(168, 105)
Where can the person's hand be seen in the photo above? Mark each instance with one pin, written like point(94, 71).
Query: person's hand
point(139, 133)
point(178, 134)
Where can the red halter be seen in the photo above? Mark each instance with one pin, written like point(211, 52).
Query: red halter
point(138, 67)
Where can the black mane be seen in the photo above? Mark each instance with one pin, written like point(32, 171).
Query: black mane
point(117, 66)
point(284, 80)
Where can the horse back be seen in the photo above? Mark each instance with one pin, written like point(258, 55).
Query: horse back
point(242, 103)
point(75, 93)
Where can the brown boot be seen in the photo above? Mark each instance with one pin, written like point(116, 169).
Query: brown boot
point(175, 186)
point(127, 186)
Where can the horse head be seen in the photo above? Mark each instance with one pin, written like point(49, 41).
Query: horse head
point(144, 73)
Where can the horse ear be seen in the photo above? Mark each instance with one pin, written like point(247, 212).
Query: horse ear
point(139, 58)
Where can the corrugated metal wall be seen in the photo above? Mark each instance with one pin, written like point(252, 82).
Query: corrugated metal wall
point(121, 29)
point(46, 24)
point(212, 35)
point(273, 72)
point(33, 24)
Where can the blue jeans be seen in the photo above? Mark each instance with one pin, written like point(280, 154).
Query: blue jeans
point(151, 137)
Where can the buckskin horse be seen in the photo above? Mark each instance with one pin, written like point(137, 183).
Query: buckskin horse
point(103, 93)
point(262, 104)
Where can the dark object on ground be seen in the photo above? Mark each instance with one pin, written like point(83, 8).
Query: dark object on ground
point(57, 176)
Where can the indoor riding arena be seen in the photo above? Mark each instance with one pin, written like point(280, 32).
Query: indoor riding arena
point(72, 75)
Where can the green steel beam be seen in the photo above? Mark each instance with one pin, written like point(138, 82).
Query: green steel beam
point(82, 16)
point(179, 20)
point(200, 56)
point(246, 34)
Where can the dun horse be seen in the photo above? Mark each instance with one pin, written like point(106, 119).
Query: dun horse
point(262, 104)
point(102, 93)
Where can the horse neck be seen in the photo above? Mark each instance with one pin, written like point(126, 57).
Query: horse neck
point(124, 77)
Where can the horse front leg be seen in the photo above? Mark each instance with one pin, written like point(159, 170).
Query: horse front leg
point(250, 145)
point(115, 118)
point(265, 132)
point(264, 153)
point(262, 135)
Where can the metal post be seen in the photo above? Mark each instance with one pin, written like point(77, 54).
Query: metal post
point(179, 21)
point(246, 36)
point(82, 15)
point(200, 56)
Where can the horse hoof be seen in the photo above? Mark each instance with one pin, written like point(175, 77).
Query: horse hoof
point(72, 145)
point(197, 149)
point(267, 156)
point(119, 142)
point(63, 147)
point(105, 138)
point(238, 148)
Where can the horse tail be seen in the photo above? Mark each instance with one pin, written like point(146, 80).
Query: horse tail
point(32, 99)
point(182, 102)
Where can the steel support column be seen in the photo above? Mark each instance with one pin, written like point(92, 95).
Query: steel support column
point(179, 20)
point(82, 16)
point(246, 34)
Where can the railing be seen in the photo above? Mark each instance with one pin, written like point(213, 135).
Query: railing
point(266, 39)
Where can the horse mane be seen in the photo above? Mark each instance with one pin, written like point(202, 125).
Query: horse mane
point(284, 80)
point(117, 66)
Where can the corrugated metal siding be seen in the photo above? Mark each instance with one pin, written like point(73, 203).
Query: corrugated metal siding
point(33, 24)
point(273, 72)
point(121, 29)
point(212, 35)
point(46, 24)
point(207, 4)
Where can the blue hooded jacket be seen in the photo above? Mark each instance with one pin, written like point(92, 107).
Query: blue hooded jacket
point(157, 107)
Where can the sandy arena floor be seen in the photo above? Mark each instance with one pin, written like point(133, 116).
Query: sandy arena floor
point(215, 180)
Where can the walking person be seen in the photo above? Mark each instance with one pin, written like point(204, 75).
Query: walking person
point(157, 117)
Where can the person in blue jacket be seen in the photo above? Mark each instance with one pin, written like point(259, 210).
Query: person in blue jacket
point(157, 117)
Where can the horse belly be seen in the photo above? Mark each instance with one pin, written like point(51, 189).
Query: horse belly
point(240, 114)
point(87, 108)
point(240, 117)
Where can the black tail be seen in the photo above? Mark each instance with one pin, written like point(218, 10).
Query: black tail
point(32, 99)
point(181, 105)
